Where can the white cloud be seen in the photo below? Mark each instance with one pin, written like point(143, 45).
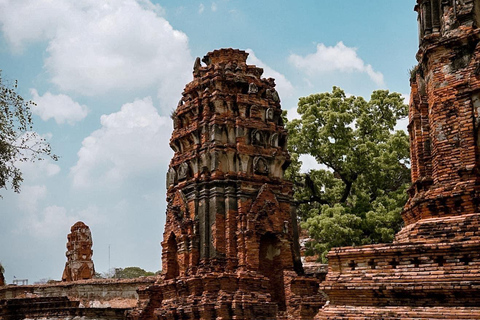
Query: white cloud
point(49, 222)
point(131, 142)
point(95, 47)
point(54, 221)
point(284, 87)
point(331, 59)
point(214, 7)
point(44, 18)
point(201, 8)
point(292, 114)
point(30, 196)
point(38, 170)
point(59, 107)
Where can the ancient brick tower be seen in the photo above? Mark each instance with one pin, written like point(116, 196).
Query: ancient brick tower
point(230, 248)
point(79, 265)
point(432, 271)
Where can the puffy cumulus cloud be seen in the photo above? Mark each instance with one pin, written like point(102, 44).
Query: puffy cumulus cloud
point(54, 221)
point(337, 58)
point(284, 87)
point(28, 21)
point(59, 107)
point(38, 170)
point(95, 47)
point(30, 196)
point(201, 8)
point(131, 143)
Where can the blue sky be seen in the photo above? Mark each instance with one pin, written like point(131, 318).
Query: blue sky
point(106, 74)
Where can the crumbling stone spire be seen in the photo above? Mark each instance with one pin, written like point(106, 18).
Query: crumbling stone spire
point(225, 183)
point(79, 265)
point(230, 248)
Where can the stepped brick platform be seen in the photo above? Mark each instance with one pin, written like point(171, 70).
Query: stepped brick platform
point(231, 248)
point(432, 270)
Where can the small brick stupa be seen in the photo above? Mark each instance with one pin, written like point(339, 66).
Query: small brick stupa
point(2, 278)
point(432, 271)
point(230, 248)
point(79, 265)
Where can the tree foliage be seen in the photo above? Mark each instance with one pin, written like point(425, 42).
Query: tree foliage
point(18, 141)
point(357, 193)
point(131, 272)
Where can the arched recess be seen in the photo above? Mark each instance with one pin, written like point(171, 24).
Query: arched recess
point(84, 272)
point(270, 265)
point(172, 268)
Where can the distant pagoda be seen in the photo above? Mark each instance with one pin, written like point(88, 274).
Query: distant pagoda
point(79, 265)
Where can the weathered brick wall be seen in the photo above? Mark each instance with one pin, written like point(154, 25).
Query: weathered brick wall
point(444, 117)
point(99, 293)
point(432, 271)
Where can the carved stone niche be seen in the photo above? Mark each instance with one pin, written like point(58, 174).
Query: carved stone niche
point(274, 140)
point(269, 114)
point(183, 171)
point(256, 112)
point(171, 177)
point(257, 138)
point(252, 88)
point(260, 166)
point(275, 96)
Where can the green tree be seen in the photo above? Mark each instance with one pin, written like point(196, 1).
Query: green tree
point(357, 193)
point(18, 141)
point(131, 272)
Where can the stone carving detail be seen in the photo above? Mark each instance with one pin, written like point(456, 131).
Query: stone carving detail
point(268, 94)
point(274, 140)
point(171, 176)
point(260, 165)
point(252, 88)
point(196, 67)
point(79, 264)
point(183, 171)
point(269, 114)
point(275, 96)
point(258, 138)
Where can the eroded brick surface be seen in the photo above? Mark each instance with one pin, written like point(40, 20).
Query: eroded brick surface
point(432, 270)
point(79, 265)
point(230, 248)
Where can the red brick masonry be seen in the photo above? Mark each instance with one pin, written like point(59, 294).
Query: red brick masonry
point(432, 271)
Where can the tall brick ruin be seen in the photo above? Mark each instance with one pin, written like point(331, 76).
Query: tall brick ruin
point(230, 248)
point(79, 265)
point(432, 270)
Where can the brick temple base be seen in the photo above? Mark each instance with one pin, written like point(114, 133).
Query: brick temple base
point(418, 277)
point(242, 295)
